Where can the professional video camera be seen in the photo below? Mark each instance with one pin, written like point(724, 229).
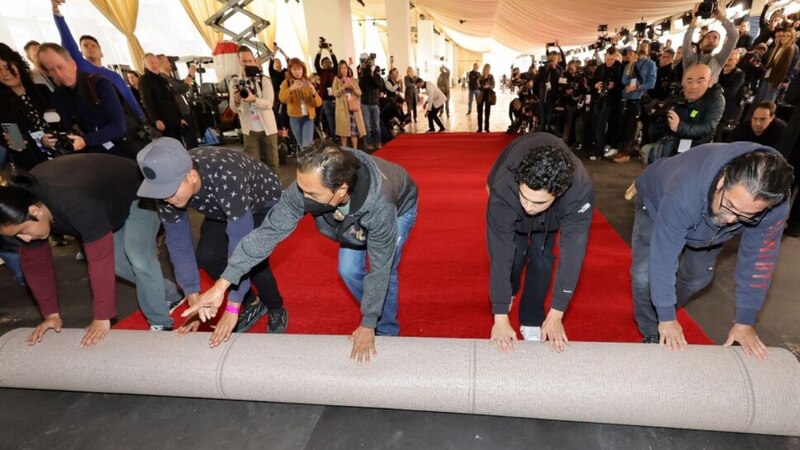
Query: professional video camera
point(323, 44)
point(707, 9)
point(246, 84)
point(658, 110)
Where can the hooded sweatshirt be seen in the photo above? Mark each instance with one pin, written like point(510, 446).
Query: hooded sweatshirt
point(383, 192)
point(676, 193)
point(571, 213)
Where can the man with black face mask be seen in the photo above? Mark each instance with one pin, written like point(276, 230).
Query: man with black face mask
point(234, 192)
point(366, 204)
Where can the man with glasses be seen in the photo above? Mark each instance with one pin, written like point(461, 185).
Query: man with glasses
point(686, 208)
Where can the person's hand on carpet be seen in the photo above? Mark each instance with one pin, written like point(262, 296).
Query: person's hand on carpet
point(503, 334)
point(363, 344)
point(671, 334)
point(95, 332)
point(222, 332)
point(190, 326)
point(748, 339)
point(51, 322)
point(553, 331)
point(209, 302)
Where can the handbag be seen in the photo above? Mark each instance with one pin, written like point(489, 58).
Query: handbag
point(492, 99)
point(353, 103)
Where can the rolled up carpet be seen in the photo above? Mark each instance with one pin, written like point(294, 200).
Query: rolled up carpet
point(704, 387)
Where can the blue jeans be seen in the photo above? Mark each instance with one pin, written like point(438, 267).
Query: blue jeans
point(353, 269)
point(329, 109)
point(372, 121)
point(473, 93)
point(136, 262)
point(9, 253)
point(303, 130)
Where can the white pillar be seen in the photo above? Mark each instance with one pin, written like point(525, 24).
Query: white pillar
point(399, 33)
point(425, 50)
point(332, 20)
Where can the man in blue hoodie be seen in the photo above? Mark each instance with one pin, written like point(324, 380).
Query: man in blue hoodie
point(686, 208)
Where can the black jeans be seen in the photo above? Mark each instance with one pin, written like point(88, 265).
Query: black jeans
point(539, 271)
point(189, 132)
point(484, 110)
point(630, 123)
point(601, 116)
point(433, 117)
point(212, 256)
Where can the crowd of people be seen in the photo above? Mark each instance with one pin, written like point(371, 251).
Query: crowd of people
point(135, 146)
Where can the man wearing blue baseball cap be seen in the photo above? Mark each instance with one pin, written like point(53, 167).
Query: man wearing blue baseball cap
point(234, 192)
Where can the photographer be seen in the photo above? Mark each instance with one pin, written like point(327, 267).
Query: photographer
point(159, 100)
point(326, 69)
point(605, 98)
point(443, 83)
point(731, 80)
point(762, 128)
point(370, 82)
point(548, 82)
point(687, 119)
point(253, 100)
point(638, 77)
point(394, 85)
point(710, 41)
point(436, 100)
point(393, 118)
point(181, 89)
point(301, 101)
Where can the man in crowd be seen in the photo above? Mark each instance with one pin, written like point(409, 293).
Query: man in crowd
point(234, 192)
point(638, 77)
point(180, 89)
point(763, 127)
point(709, 42)
point(256, 113)
point(436, 100)
point(159, 100)
point(472, 81)
point(38, 72)
point(118, 232)
point(90, 103)
point(663, 88)
point(690, 120)
point(605, 98)
point(731, 80)
point(745, 39)
point(537, 187)
point(370, 82)
point(548, 82)
point(751, 65)
point(326, 69)
point(366, 204)
point(686, 208)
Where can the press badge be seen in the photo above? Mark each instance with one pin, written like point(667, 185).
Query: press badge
point(684, 145)
point(108, 145)
point(562, 80)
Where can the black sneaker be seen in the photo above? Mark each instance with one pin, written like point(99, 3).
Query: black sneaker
point(249, 315)
point(651, 339)
point(160, 328)
point(278, 320)
point(172, 304)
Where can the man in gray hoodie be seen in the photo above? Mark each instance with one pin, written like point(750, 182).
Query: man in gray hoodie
point(365, 203)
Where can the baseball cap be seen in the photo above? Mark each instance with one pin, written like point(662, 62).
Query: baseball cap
point(163, 162)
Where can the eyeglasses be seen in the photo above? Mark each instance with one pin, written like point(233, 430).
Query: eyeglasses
point(746, 220)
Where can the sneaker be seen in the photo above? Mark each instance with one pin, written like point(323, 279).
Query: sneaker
point(593, 158)
point(173, 304)
point(610, 152)
point(249, 315)
point(621, 159)
point(531, 333)
point(80, 256)
point(160, 328)
point(651, 339)
point(57, 241)
point(278, 320)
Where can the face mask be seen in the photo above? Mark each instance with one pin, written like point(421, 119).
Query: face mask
point(317, 208)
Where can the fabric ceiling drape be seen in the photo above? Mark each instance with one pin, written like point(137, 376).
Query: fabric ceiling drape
point(199, 11)
point(266, 10)
point(123, 14)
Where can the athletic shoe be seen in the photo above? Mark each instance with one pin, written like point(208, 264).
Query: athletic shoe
point(651, 339)
point(80, 256)
point(531, 333)
point(249, 315)
point(171, 305)
point(160, 328)
point(593, 158)
point(278, 320)
point(57, 241)
point(610, 152)
point(621, 159)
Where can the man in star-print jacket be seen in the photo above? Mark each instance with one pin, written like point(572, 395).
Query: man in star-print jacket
point(233, 191)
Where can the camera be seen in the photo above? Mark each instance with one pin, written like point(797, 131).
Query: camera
point(63, 142)
point(379, 69)
point(551, 44)
point(602, 28)
point(243, 86)
point(323, 44)
point(707, 9)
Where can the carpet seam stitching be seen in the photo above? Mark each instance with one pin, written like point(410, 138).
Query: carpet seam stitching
point(751, 398)
point(221, 366)
point(473, 371)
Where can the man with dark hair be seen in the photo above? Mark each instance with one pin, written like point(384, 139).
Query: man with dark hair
point(88, 57)
point(605, 100)
point(638, 77)
point(762, 128)
point(731, 80)
point(537, 187)
point(366, 204)
point(326, 69)
point(472, 81)
point(549, 84)
point(181, 88)
point(686, 208)
point(92, 197)
point(159, 100)
point(436, 100)
point(709, 42)
point(38, 72)
point(234, 192)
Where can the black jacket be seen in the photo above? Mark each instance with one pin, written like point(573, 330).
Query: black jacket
point(370, 83)
point(771, 137)
point(159, 100)
point(571, 213)
point(699, 118)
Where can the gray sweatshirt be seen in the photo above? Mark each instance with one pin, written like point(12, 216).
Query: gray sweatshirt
point(383, 192)
point(715, 62)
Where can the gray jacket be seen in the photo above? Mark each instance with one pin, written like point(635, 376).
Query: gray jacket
point(715, 62)
point(371, 224)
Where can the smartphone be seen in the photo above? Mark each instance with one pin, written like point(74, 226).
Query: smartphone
point(14, 135)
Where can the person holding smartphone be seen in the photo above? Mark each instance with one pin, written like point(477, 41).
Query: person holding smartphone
point(349, 123)
point(302, 100)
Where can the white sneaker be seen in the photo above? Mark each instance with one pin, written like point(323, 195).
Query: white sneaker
point(593, 158)
point(531, 333)
point(610, 152)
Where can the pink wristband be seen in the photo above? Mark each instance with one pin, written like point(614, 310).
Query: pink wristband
point(233, 309)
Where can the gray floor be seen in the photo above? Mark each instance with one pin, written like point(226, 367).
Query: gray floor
point(46, 419)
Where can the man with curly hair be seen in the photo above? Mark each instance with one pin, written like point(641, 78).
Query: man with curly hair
point(537, 188)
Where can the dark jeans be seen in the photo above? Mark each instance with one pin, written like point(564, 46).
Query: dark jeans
point(538, 266)
point(695, 271)
point(600, 120)
point(546, 112)
point(212, 256)
point(484, 110)
point(433, 117)
point(630, 123)
point(189, 132)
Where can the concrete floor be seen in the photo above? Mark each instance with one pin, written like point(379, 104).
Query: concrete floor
point(67, 420)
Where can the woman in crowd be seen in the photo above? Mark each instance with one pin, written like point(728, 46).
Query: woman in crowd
point(348, 123)
point(411, 93)
point(22, 102)
point(301, 99)
point(394, 85)
point(780, 61)
point(486, 85)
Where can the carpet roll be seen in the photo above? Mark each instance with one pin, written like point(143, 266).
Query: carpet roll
point(705, 387)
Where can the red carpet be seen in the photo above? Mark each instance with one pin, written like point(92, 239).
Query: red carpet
point(444, 274)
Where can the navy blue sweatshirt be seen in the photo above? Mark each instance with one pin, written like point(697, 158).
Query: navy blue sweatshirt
point(676, 193)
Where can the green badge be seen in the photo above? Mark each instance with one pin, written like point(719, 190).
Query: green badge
point(694, 113)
